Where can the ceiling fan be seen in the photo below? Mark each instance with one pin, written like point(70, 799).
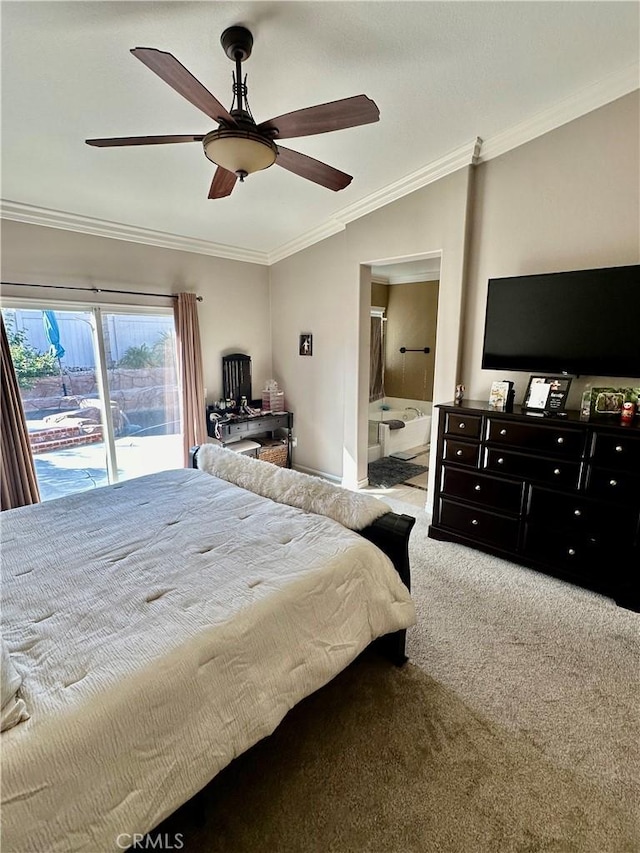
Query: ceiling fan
point(239, 146)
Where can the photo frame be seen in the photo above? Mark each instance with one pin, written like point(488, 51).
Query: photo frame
point(306, 344)
point(501, 396)
point(547, 394)
point(608, 401)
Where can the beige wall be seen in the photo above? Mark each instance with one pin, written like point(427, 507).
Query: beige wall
point(379, 295)
point(311, 292)
point(412, 313)
point(568, 200)
point(328, 287)
point(234, 313)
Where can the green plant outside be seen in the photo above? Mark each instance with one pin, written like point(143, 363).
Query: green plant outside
point(149, 356)
point(28, 362)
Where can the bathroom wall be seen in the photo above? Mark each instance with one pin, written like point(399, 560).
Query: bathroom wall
point(412, 312)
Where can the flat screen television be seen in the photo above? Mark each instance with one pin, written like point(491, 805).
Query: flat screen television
point(585, 322)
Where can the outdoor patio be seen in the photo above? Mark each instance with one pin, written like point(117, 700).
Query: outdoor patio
point(69, 470)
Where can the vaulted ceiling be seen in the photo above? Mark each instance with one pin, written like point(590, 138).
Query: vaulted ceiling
point(442, 73)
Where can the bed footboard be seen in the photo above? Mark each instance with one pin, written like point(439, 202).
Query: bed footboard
point(391, 533)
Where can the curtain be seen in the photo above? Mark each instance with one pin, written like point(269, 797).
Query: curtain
point(376, 365)
point(191, 374)
point(19, 485)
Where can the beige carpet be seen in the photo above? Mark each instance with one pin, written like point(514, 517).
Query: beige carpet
point(514, 728)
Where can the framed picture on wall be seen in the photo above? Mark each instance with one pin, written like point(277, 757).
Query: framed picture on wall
point(306, 344)
point(547, 393)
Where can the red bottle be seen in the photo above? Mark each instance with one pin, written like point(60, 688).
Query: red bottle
point(627, 414)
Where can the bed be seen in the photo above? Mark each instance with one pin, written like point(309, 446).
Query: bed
point(162, 626)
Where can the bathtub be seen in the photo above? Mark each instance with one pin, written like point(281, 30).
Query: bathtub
point(415, 433)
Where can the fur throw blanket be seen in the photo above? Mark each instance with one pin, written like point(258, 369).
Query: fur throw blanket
point(286, 486)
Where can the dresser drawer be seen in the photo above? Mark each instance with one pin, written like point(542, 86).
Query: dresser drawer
point(227, 430)
point(476, 488)
point(616, 451)
point(564, 475)
point(545, 439)
point(578, 514)
point(461, 452)
point(478, 524)
point(463, 425)
point(580, 554)
point(616, 486)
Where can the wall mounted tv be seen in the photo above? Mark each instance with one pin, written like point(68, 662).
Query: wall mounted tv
point(585, 322)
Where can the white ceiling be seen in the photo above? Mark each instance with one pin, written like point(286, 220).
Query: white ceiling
point(442, 74)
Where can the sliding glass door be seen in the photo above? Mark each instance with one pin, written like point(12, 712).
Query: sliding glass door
point(141, 374)
point(69, 363)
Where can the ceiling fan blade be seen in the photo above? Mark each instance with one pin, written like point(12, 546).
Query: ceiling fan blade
point(176, 75)
point(312, 170)
point(336, 115)
point(223, 183)
point(141, 140)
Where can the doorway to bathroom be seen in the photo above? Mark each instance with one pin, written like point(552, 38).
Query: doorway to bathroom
point(404, 309)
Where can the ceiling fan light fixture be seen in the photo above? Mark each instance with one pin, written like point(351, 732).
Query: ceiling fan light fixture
point(241, 151)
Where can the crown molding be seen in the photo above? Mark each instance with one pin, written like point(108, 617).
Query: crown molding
point(304, 241)
point(464, 155)
point(609, 89)
point(18, 212)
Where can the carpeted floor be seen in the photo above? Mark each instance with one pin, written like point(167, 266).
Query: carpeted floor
point(514, 728)
point(387, 472)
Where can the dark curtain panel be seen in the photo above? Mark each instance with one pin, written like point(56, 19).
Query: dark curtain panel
point(376, 371)
point(17, 471)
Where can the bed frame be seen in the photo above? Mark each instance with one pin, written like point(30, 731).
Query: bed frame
point(390, 533)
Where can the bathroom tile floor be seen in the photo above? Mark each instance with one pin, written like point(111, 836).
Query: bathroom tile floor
point(414, 491)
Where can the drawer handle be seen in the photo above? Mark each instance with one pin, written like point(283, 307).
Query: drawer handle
point(577, 512)
point(561, 440)
point(501, 461)
point(618, 448)
point(477, 487)
point(458, 452)
point(461, 425)
point(613, 482)
point(557, 471)
point(474, 521)
point(503, 432)
point(571, 552)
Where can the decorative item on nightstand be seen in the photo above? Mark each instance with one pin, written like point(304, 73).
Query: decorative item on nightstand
point(272, 397)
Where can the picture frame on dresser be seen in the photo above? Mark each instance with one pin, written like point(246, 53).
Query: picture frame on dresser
point(547, 393)
point(607, 402)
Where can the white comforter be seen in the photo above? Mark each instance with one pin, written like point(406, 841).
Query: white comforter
point(162, 626)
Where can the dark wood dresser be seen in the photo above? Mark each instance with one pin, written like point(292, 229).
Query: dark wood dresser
point(555, 494)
